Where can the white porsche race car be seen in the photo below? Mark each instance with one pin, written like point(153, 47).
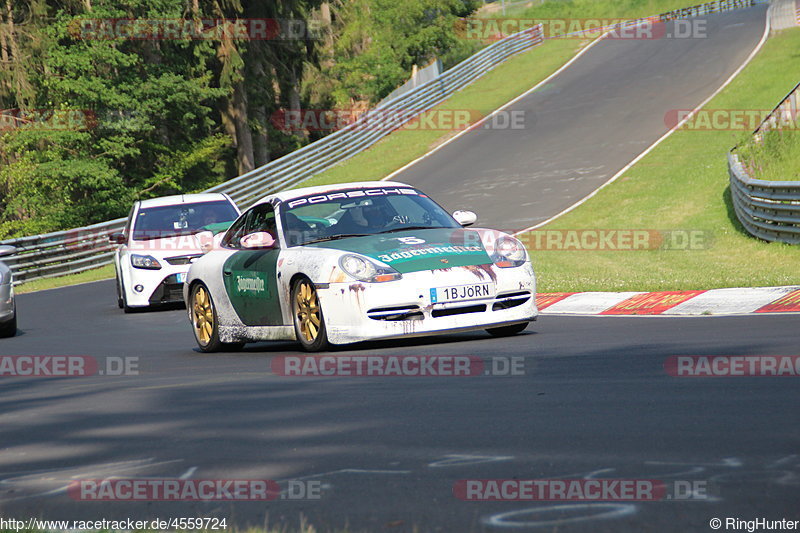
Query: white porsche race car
point(159, 243)
point(351, 262)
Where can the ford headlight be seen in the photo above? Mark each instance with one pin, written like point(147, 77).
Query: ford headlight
point(509, 252)
point(145, 261)
point(363, 269)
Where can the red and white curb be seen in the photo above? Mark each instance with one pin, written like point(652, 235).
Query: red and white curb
point(677, 303)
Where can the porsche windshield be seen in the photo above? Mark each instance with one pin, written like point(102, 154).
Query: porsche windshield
point(182, 219)
point(357, 212)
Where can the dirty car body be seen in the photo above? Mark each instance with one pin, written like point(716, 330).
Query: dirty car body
point(353, 262)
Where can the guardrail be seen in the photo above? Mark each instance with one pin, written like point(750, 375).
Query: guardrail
point(769, 210)
point(76, 250)
point(62, 252)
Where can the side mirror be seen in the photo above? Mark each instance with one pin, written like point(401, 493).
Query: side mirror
point(465, 218)
point(7, 250)
point(117, 238)
point(205, 241)
point(258, 240)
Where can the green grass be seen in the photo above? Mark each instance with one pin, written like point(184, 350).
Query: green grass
point(587, 9)
point(683, 184)
point(105, 272)
point(777, 157)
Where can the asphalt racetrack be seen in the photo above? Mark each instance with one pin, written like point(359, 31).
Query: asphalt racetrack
point(590, 399)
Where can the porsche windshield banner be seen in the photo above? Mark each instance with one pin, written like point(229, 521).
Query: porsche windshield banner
point(415, 250)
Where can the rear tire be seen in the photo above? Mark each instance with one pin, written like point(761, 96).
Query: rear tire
point(9, 329)
point(120, 303)
point(507, 331)
point(309, 324)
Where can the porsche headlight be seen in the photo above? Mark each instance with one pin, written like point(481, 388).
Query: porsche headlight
point(363, 269)
point(509, 252)
point(145, 261)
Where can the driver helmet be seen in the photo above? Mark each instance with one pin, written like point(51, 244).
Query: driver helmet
point(373, 212)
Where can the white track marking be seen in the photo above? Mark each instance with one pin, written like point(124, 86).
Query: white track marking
point(462, 460)
point(189, 473)
point(347, 471)
point(607, 510)
point(589, 302)
point(60, 475)
point(782, 461)
point(733, 462)
point(728, 301)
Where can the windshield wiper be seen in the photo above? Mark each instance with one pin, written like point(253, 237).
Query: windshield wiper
point(337, 237)
point(409, 228)
point(164, 235)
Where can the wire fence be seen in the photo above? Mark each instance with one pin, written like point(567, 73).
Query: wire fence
point(769, 210)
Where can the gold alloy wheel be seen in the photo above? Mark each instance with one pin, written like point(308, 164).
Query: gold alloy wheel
point(307, 311)
point(203, 312)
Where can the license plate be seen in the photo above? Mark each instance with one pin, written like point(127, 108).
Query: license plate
point(181, 277)
point(457, 293)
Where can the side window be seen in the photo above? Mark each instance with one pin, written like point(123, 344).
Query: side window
point(236, 232)
point(258, 218)
point(263, 219)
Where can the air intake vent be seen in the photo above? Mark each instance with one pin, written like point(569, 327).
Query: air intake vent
point(511, 299)
point(182, 259)
point(402, 312)
point(436, 313)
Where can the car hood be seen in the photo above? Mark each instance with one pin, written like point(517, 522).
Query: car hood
point(415, 250)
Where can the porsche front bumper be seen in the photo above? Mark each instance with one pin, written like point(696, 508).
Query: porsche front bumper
point(356, 311)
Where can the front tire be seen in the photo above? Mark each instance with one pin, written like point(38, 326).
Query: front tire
point(120, 302)
point(309, 324)
point(205, 324)
point(507, 331)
